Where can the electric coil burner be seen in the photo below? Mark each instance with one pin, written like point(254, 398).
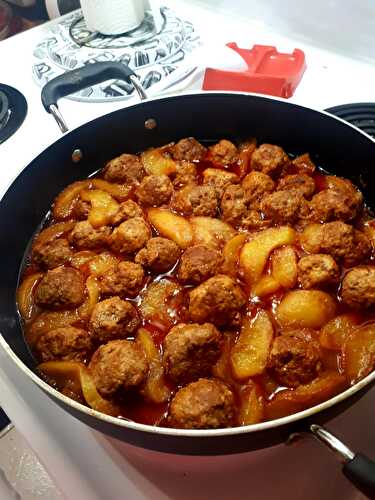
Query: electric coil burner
point(13, 110)
point(361, 115)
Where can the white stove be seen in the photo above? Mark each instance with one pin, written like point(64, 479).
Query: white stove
point(86, 465)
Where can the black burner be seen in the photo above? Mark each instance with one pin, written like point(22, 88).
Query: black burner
point(362, 115)
point(13, 110)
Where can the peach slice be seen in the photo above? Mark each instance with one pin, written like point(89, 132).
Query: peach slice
point(250, 353)
point(171, 226)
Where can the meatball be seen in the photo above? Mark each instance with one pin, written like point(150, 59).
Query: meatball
point(124, 169)
point(154, 190)
point(185, 175)
point(353, 195)
point(205, 404)
point(302, 183)
point(330, 205)
point(118, 366)
point(217, 300)
point(295, 359)
point(127, 210)
point(188, 149)
point(196, 200)
point(344, 243)
point(224, 153)
point(130, 236)
point(85, 236)
point(256, 185)
point(113, 319)
point(269, 159)
point(64, 344)
point(317, 270)
point(190, 351)
point(219, 179)
point(61, 288)
point(254, 219)
point(159, 255)
point(198, 263)
point(358, 287)
point(81, 209)
point(284, 207)
point(233, 205)
point(125, 280)
point(300, 165)
point(52, 253)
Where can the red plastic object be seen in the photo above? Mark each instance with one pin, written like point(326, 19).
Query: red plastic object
point(269, 72)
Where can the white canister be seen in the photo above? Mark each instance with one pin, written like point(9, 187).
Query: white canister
point(113, 17)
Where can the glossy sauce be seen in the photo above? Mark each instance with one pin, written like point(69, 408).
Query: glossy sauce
point(135, 407)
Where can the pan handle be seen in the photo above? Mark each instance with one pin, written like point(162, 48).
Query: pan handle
point(81, 78)
point(359, 469)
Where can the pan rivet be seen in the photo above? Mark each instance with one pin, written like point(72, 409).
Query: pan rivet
point(150, 124)
point(77, 156)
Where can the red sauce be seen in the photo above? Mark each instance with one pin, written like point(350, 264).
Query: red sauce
point(135, 407)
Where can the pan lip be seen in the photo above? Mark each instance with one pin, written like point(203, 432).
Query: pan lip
point(191, 433)
point(4, 191)
point(187, 433)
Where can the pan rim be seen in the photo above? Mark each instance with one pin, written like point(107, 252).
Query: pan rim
point(191, 433)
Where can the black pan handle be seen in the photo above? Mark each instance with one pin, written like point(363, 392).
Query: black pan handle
point(4, 423)
point(81, 78)
point(359, 469)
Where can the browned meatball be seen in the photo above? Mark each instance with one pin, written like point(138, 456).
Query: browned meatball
point(130, 236)
point(154, 190)
point(52, 253)
point(302, 183)
point(190, 351)
point(113, 319)
point(81, 209)
point(269, 159)
point(125, 280)
point(284, 207)
point(196, 200)
point(354, 196)
point(256, 185)
point(188, 149)
point(127, 210)
point(205, 404)
point(186, 174)
point(358, 287)
point(159, 255)
point(61, 288)
point(219, 179)
point(317, 270)
point(85, 236)
point(118, 366)
point(330, 205)
point(125, 169)
point(233, 205)
point(295, 358)
point(224, 153)
point(217, 300)
point(300, 165)
point(65, 344)
point(344, 243)
point(198, 263)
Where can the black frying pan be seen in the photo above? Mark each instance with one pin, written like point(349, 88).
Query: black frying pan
point(339, 147)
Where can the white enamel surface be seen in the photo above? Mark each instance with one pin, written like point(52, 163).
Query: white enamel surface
point(83, 461)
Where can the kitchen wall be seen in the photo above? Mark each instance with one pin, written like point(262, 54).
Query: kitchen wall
point(347, 26)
